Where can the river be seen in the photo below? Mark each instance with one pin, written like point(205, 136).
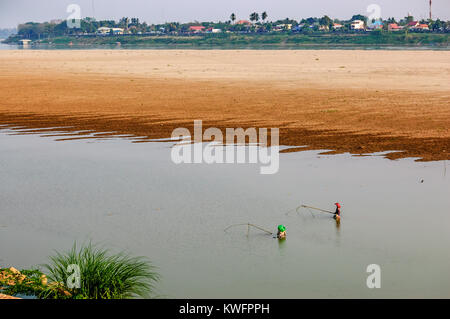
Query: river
point(131, 196)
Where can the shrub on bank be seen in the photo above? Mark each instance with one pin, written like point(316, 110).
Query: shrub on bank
point(85, 273)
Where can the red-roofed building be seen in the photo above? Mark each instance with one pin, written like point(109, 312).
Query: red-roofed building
point(413, 24)
point(421, 27)
point(196, 28)
point(394, 27)
point(244, 22)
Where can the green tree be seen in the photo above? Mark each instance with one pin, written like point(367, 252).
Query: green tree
point(359, 17)
point(391, 20)
point(309, 21)
point(233, 17)
point(32, 30)
point(437, 25)
point(264, 16)
point(409, 19)
point(326, 21)
point(254, 17)
point(123, 23)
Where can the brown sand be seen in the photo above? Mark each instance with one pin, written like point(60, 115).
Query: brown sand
point(346, 101)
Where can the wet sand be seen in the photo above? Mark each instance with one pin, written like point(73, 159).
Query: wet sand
point(345, 101)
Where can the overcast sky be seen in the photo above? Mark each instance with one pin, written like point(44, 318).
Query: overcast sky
point(13, 12)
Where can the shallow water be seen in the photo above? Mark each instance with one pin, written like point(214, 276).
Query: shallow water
point(131, 196)
point(4, 46)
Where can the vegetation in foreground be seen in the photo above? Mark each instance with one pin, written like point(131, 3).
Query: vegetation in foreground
point(101, 276)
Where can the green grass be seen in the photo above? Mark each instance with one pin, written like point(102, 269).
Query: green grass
point(102, 275)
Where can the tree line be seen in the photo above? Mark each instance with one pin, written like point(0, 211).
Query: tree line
point(258, 23)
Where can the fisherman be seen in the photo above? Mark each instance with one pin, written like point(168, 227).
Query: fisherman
point(281, 234)
point(337, 213)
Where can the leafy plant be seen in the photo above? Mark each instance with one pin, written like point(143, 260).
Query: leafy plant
point(102, 275)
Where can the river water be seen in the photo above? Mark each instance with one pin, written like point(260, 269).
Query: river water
point(221, 47)
point(131, 196)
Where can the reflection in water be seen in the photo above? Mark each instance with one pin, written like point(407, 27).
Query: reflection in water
point(282, 246)
point(338, 223)
point(338, 232)
point(231, 46)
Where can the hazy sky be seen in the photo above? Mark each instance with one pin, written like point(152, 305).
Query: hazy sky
point(13, 12)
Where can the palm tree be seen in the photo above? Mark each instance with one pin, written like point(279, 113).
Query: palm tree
point(254, 17)
point(233, 17)
point(264, 16)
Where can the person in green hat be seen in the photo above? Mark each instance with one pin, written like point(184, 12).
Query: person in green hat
point(281, 233)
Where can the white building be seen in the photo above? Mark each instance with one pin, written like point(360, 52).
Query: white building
point(24, 42)
point(357, 25)
point(103, 30)
point(117, 30)
point(285, 26)
point(106, 30)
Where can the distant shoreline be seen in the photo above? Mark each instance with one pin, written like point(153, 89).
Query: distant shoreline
point(251, 41)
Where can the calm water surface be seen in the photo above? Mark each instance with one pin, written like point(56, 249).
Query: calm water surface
point(221, 47)
point(131, 196)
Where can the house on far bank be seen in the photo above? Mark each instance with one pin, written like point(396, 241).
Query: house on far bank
point(212, 30)
point(244, 22)
point(337, 26)
point(196, 28)
point(377, 25)
point(413, 24)
point(103, 30)
point(117, 30)
point(283, 27)
point(394, 27)
point(24, 42)
point(357, 25)
point(420, 27)
point(106, 31)
point(298, 28)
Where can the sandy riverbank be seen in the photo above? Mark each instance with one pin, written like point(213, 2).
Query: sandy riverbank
point(348, 101)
